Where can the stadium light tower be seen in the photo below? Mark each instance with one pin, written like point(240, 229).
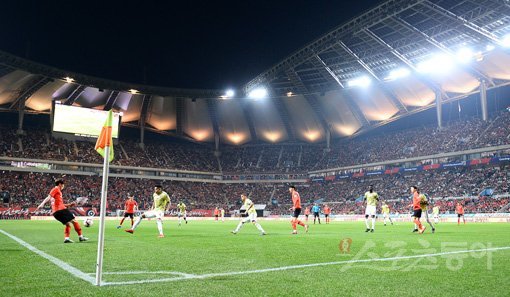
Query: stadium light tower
point(506, 41)
point(258, 93)
point(228, 94)
point(399, 73)
point(439, 64)
point(362, 81)
point(465, 55)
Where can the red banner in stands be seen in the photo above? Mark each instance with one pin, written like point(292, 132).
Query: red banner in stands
point(480, 161)
point(431, 167)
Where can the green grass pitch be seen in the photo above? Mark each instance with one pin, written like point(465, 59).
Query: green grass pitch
point(206, 247)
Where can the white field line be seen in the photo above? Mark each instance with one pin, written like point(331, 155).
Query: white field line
point(211, 275)
point(61, 264)
point(144, 272)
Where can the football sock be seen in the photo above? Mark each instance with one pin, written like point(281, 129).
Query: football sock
point(294, 225)
point(373, 223)
point(77, 228)
point(160, 226)
point(180, 220)
point(366, 223)
point(137, 223)
point(300, 223)
point(259, 227)
point(121, 221)
point(239, 226)
point(418, 223)
point(132, 223)
point(67, 231)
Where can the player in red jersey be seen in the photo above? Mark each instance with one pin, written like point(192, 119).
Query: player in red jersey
point(417, 209)
point(216, 213)
point(61, 213)
point(460, 213)
point(307, 213)
point(129, 210)
point(327, 213)
point(296, 207)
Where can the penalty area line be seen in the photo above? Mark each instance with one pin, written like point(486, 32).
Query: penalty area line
point(283, 268)
point(61, 264)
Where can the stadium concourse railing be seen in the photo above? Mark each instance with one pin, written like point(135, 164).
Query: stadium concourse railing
point(90, 169)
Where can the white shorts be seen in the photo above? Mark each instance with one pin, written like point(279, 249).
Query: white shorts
point(182, 214)
point(252, 217)
point(386, 215)
point(154, 214)
point(370, 210)
point(436, 216)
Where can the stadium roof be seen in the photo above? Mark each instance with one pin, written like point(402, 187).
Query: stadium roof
point(389, 62)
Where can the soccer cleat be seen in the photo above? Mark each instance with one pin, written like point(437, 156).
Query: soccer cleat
point(433, 230)
point(187, 222)
point(130, 231)
point(415, 230)
point(263, 233)
point(368, 230)
point(422, 230)
point(384, 224)
point(83, 238)
point(233, 232)
point(119, 226)
point(68, 241)
point(294, 232)
point(306, 228)
point(372, 230)
point(161, 236)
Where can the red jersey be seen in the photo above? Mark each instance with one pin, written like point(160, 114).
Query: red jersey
point(416, 201)
point(216, 212)
point(57, 203)
point(327, 210)
point(460, 209)
point(130, 206)
point(296, 200)
point(307, 211)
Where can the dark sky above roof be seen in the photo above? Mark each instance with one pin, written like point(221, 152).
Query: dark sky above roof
point(187, 44)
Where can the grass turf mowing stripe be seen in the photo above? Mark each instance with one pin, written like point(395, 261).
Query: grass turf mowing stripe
point(61, 264)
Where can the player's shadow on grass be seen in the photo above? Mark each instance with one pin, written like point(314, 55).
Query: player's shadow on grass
point(10, 250)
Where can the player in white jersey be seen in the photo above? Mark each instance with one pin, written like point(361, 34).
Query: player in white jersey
point(435, 212)
point(222, 214)
point(371, 198)
point(181, 208)
point(161, 204)
point(251, 216)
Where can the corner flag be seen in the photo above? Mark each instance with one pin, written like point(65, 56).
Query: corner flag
point(104, 146)
point(105, 138)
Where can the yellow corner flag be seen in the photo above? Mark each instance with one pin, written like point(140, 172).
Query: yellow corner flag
point(105, 137)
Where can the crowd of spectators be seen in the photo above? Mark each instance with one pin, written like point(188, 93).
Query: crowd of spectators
point(275, 158)
point(466, 184)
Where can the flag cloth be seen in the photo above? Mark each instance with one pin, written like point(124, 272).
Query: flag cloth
point(105, 137)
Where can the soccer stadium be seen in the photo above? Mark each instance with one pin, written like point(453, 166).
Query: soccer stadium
point(371, 160)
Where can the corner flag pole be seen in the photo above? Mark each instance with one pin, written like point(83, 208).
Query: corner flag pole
point(102, 214)
point(104, 146)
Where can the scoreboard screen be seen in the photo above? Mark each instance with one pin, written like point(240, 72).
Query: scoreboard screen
point(81, 121)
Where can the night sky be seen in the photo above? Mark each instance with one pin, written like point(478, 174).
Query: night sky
point(186, 44)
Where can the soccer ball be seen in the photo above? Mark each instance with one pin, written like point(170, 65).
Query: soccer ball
point(88, 222)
